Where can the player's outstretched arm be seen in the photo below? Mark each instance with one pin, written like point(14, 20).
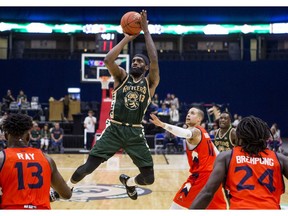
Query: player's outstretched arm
point(177, 131)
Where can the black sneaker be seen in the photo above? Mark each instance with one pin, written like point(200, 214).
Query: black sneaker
point(131, 191)
point(53, 195)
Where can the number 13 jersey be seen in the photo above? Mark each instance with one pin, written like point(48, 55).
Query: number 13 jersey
point(25, 178)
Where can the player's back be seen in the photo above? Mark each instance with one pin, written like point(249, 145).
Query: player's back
point(25, 178)
point(254, 182)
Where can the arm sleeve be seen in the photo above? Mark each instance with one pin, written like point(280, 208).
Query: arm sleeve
point(178, 131)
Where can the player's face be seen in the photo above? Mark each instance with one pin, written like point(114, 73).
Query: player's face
point(224, 121)
point(137, 67)
point(192, 117)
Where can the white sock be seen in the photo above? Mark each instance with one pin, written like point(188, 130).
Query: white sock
point(70, 184)
point(131, 182)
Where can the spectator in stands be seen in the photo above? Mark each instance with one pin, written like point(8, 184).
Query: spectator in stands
point(35, 136)
point(89, 125)
point(174, 114)
point(237, 119)
point(275, 142)
point(155, 100)
point(148, 126)
point(174, 101)
point(7, 99)
point(213, 131)
point(170, 138)
point(66, 102)
point(3, 141)
point(152, 108)
point(167, 100)
point(45, 138)
point(163, 110)
point(21, 97)
point(57, 139)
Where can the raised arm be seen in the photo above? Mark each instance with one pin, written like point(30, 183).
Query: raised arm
point(115, 70)
point(153, 76)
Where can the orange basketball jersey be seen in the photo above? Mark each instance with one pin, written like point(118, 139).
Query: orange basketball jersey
point(254, 183)
point(25, 178)
point(201, 160)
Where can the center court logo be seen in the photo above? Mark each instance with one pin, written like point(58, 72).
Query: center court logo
point(86, 193)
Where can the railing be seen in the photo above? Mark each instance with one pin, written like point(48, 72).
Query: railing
point(171, 55)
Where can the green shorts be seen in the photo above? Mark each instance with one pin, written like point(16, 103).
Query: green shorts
point(131, 139)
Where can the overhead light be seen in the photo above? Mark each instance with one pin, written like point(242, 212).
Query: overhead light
point(213, 29)
point(38, 28)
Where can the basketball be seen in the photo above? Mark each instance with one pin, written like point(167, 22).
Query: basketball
point(130, 23)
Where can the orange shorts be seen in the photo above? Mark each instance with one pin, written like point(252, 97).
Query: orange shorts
point(190, 189)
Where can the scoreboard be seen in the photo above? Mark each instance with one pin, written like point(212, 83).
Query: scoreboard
point(105, 42)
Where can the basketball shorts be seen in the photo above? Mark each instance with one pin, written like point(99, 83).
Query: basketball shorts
point(131, 139)
point(190, 189)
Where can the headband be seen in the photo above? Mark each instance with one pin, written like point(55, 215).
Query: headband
point(145, 58)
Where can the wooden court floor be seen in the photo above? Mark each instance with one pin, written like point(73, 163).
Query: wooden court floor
point(102, 189)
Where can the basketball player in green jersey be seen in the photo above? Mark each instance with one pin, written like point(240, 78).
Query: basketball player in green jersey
point(225, 136)
point(130, 99)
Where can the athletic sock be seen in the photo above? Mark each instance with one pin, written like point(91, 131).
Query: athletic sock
point(131, 182)
point(70, 184)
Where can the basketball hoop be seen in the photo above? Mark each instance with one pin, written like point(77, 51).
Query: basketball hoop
point(105, 82)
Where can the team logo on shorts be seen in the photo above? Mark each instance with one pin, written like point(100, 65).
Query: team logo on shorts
point(86, 193)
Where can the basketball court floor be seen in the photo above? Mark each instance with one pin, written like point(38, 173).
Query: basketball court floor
point(102, 189)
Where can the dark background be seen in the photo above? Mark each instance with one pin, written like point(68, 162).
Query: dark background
point(156, 15)
point(248, 88)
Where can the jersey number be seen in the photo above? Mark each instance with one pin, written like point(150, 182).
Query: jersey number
point(267, 173)
point(37, 174)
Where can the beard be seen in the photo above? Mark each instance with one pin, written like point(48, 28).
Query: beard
point(137, 72)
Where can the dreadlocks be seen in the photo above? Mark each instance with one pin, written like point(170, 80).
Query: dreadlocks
point(17, 124)
point(254, 133)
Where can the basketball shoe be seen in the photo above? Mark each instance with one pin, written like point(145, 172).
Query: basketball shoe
point(131, 190)
point(54, 195)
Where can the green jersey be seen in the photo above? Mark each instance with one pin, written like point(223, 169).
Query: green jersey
point(130, 101)
point(223, 142)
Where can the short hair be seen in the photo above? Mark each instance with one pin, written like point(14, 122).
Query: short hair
point(200, 113)
point(17, 124)
point(254, 133)
point(228, 113)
